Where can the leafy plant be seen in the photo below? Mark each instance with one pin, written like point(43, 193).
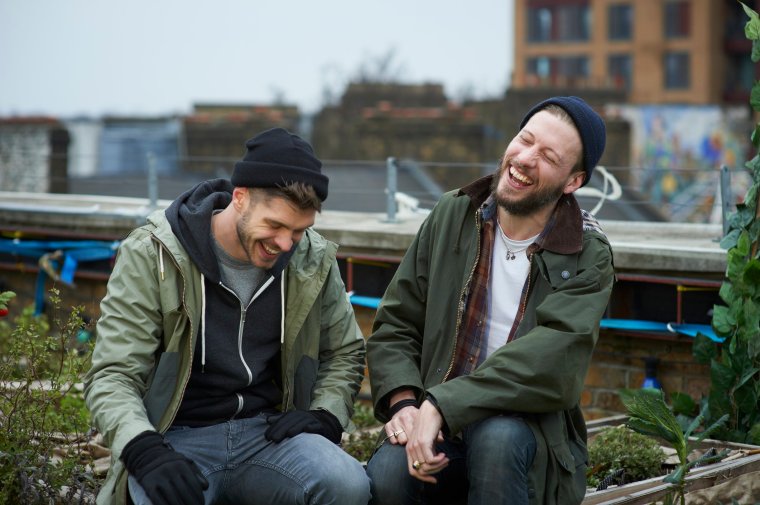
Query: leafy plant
point(362, 443)
point(621, 455)
point(649, 414)
point(735, 367)
point(42, 415)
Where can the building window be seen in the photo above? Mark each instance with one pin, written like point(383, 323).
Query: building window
point(676, 70)
point(677, 19)
point(568, 21)
point(620, 21)
point(567, 70)
point(619, 69)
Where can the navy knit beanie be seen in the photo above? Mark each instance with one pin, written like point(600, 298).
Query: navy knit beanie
point(277, 157)
point(589, 124)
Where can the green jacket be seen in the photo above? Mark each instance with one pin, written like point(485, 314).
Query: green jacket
point(540, 374)
point(147, 330)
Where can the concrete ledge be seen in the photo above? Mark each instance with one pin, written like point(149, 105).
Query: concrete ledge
point(663, 248)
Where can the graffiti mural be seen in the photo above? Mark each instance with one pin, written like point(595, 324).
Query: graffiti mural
point(677, 152)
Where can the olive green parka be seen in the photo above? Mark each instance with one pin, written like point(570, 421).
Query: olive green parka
point(148, 326)
point(539, 374)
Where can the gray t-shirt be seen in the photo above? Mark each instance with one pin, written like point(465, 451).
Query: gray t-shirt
point(242, 277)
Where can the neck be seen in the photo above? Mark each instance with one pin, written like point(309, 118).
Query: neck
point(223, 229)
point(524, 227)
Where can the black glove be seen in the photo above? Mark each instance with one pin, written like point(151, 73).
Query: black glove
point(290, 424)
point(167, 476)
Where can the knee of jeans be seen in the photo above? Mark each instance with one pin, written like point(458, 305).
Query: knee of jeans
point(387, 470)
point(501, 436)
point(346, 479)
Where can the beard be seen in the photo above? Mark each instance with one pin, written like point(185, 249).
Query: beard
point(243, 235)
point(533, 202)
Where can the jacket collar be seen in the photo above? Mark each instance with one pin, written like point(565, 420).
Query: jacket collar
point(563, 234)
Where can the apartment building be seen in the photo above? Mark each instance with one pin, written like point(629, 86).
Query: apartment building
point(659, 51)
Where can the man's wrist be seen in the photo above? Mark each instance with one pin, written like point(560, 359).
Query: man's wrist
point(401, 404)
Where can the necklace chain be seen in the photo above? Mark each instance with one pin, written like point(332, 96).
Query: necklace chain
point(511, 253)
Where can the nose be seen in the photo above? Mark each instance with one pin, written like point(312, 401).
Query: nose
point(526, 157)
point(284, 240)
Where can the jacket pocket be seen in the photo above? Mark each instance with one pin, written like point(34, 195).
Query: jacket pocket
point(162, 387)
point(571, 461)
point(303, 382)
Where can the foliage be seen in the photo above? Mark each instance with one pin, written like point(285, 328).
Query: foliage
point(41, 411)
point(620, 448)
point(735, 367)
point(362, 443)
point(649, 414)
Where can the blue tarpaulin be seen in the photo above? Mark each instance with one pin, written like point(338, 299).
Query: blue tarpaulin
point(54, 254)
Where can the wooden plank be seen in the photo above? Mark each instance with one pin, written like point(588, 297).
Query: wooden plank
point(645, 492)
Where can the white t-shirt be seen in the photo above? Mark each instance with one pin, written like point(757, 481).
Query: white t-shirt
point(505, 286)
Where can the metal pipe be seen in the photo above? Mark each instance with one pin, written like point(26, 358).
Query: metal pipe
point(392, 187)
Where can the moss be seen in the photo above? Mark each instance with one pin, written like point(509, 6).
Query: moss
point(620, 448)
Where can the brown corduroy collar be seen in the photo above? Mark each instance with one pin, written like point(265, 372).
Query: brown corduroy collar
point(563, 233)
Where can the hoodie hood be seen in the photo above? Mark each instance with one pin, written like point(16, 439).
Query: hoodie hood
point(190, 219)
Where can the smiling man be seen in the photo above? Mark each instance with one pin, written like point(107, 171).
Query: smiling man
point(228, 357)
point(483, 338)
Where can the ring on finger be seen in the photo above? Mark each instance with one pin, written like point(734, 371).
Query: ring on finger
point(417, 464)
point(397, 433)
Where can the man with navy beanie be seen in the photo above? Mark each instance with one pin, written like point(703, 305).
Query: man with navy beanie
point(482, 340)
point(228, 357)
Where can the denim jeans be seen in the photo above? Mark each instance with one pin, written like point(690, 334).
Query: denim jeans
point(488, 466)
point(242, 467)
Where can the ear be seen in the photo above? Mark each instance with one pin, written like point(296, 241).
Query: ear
point(574, 182)
point(240, 198)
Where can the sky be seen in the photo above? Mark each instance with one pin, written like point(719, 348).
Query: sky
point(69, 58)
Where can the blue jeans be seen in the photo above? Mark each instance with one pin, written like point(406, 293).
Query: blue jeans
point(243, 467)
point(488, 466)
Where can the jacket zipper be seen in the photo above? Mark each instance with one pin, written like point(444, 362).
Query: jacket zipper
point(460, 308)
point(190, 340)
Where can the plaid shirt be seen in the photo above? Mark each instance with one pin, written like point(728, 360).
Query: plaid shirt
point(471, 342)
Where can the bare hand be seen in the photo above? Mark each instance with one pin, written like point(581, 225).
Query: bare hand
point(398, 428)
point(422, 460)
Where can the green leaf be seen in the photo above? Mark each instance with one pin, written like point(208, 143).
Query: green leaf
point(683, 403)
point(677, 476)
point(752, 27)
point(704, 350)
point(754, 434)
point(713, 427)
point(695, 423)
point(727, 293)
point(755, 55)
point(722, 376)
point(729, 241)
point(722, 322)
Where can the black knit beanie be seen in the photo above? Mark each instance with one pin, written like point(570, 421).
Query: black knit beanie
point(277, 157)
point(589, 124)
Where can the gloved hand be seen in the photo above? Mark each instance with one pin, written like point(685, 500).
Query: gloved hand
point(290, 424)
point(167, 476)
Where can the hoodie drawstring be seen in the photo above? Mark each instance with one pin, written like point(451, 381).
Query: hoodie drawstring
point(282, 309)
point(203, 323)
point(161, 260)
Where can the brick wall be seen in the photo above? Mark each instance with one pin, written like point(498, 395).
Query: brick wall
point(618, 362)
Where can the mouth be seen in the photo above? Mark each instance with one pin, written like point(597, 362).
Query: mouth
point(518, 177)
point(268, 250)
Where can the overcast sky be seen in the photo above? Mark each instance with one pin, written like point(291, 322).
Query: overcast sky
point(93, 57)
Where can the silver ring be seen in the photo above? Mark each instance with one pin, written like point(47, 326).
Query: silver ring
point(397, 433)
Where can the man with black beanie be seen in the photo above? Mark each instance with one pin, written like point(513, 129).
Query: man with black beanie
point(483, 338)
point(228, 356)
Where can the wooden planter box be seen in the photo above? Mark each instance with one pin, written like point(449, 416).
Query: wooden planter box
point(737, 476)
